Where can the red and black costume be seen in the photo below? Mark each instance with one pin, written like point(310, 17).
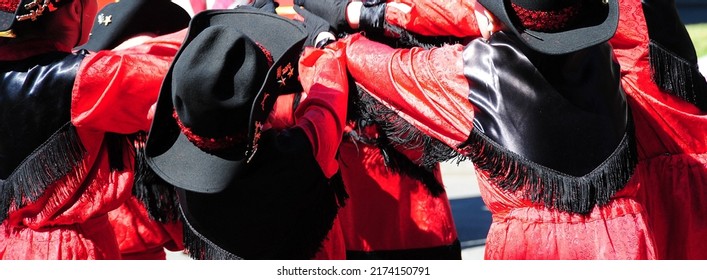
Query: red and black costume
point(250, 188)
point(540, 203)
point(60, 175)
point(669, 57)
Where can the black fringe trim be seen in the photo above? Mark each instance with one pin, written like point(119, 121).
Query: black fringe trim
point(395, 131)
point(114, 145)
point(448, 252)
point(158, 196)
point(199, 247)
point(677, 76)
point(47, 164)
point(399, 132)
point(337, 183)
point(400, 38)
point(554, 189)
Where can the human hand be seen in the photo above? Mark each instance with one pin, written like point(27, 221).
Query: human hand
point(372, 16)
point(332, 11)
point(265, 5)
point(317, 28)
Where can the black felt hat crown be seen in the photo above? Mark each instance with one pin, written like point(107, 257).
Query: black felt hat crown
point(217, 94)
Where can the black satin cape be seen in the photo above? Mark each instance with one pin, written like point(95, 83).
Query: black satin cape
point(556, 126)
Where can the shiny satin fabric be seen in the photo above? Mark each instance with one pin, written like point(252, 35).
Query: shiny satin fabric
point(434, 18)
point(379, 198)
point(567, 113)
point(34, 103)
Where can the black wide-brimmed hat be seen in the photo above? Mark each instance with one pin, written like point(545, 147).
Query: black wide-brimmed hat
point(590, 22)
point(14, 11)
point(245, 191)
point(217, 94)
point(121, 20)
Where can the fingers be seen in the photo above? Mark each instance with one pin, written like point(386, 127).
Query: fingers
point(302, 12)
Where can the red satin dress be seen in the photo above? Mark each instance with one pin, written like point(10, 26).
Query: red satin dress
point(390, 212)
point(430, 91)
point(672, 172)
point(139, 236)
point(113, 92)
point(672, 146)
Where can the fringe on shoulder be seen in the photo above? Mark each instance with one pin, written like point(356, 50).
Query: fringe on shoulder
point(677, 76)
point(50, 162)
point(394, 132)
point(158, 196)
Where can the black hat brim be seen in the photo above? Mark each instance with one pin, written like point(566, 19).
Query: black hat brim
point(169, 153)
point(132, 17)
point(556, 43)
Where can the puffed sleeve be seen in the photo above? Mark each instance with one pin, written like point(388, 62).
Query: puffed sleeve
point(434, 17)
point(427, 87)
point(115, 90)
point(322, 114)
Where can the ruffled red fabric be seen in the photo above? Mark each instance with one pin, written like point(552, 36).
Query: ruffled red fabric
point(523, 230)
point(69, 220)
point(116, 89)
point(387, 210)
point(672, 148)
point(413, 81)
point(141, 238)
point(113, 93)
point(322, 114)
point(434, 18)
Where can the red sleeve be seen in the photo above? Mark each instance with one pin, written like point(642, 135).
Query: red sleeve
point(428, 87)
point(322, 114)
point(434, 17)
point(114, 90)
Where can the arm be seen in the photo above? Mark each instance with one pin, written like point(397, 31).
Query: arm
point(428, 17)
point(322, 114)
point(426, 86)
point(115, 90)
point(433, 17)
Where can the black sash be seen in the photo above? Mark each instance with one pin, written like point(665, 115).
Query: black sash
point(557, 124)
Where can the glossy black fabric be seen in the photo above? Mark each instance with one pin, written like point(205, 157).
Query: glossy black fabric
point(282, 207)
point(35, 100)
point(666, 28)
point(569, 113)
